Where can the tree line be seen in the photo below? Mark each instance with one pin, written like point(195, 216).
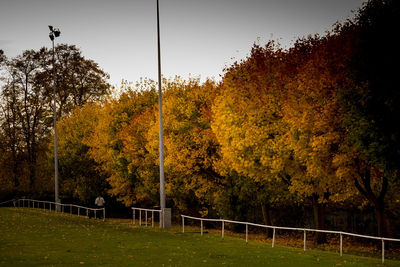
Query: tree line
point(317, 123)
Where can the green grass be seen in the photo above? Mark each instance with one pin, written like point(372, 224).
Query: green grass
point(30, 237)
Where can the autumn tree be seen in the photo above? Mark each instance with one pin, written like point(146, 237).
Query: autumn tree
point(80, 176)
point(312, 111)
point(371, 156)
point(112, 134)
point(248, 122)
point(191, 147)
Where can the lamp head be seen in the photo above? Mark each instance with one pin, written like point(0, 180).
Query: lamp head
point(57, 32)
point(51, 36)
point(51, 28)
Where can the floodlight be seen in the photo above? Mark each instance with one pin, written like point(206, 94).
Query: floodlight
point(51, 28)
point(51, 36)
point(57, 32)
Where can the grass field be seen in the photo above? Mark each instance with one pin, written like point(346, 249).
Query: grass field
point(31, 237)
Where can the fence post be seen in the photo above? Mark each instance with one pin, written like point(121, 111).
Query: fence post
point(273, 237)
point(152, 218)
point(304, 240)
point(50, 205)
point(79, 211)
point(140, 217)
point(183, 224)
point(146, 216)
point(247, 233)
point(383, 251)
point(133, 217)
point(104, 214)
point(70, 209)
point(223, 228)
point(95, 214)
point(87, 212)
point(159, 218)
point(341, 244)
point(201, 226)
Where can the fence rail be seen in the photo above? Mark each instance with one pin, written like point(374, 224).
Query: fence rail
point(305, 230)
point(32, 203)
point(146, 211)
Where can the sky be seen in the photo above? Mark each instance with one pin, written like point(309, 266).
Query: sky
point(198, 37)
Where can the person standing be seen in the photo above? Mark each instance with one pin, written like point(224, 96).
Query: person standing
point(99, 202)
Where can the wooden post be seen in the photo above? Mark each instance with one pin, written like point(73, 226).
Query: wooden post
point(304, 240)
point(183, 224)
point(383, 251)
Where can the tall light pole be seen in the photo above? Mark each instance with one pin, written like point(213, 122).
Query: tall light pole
point(55, 32)
point(166, 213)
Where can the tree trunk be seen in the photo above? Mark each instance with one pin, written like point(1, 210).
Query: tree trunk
point(377, 200)
point(383, 229)
point(267, 217)
point(319, 219)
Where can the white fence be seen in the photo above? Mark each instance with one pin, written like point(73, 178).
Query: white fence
point(64, 208)
point(341, 234)
point(146, 213)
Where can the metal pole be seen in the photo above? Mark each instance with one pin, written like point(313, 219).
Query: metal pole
point(273, 238)
point(223, 228)
point(247, 233)
point(160, 122)
point(341, 244)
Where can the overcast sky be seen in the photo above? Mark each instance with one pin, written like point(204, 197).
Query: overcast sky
point(198, 37)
